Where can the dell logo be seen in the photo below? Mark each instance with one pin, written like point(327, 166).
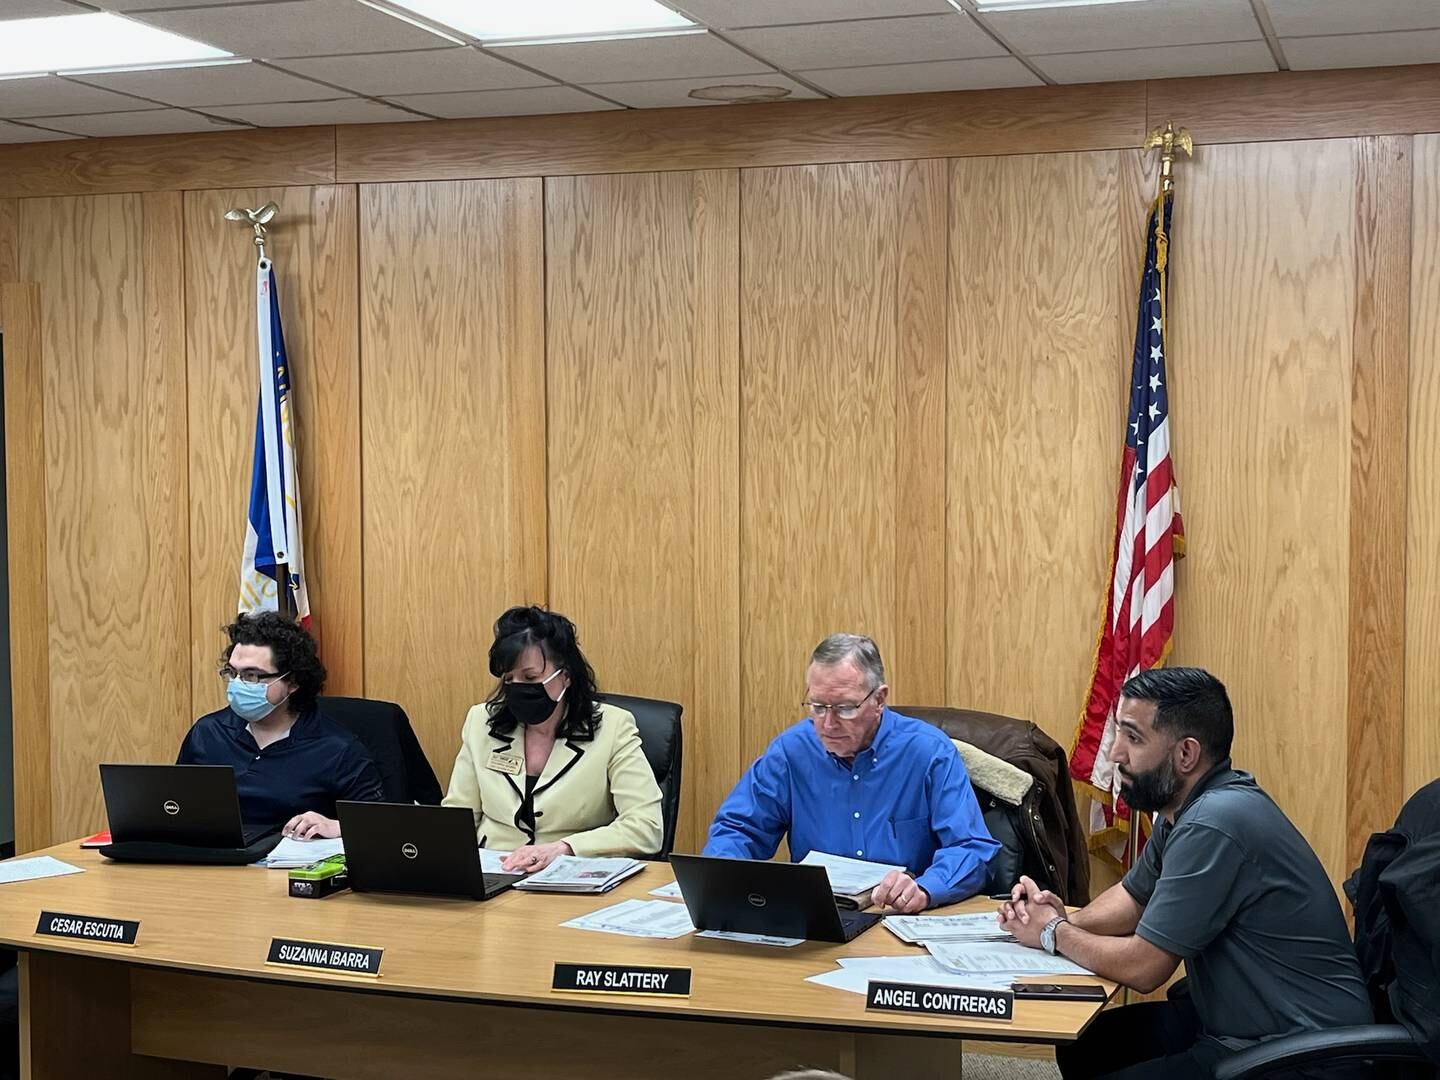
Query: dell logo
point(172, 807)
point(410, 851)
point(756, 900)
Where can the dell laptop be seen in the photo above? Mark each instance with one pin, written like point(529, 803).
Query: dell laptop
point(406, 848)
point(184, 806)
point(754, 897)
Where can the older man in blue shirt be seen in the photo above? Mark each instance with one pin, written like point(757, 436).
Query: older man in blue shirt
point(860, 780)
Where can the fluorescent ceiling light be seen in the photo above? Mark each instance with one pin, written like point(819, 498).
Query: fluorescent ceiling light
point(74, 42)
point(989, 6)
point(501, 20)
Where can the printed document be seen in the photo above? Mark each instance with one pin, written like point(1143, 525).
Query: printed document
point(637, 918)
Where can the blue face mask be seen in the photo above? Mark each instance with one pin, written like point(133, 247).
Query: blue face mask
point(248, 700)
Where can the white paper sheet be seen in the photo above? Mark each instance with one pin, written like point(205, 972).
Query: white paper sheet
point(290, 853)
point(490, 860)
point(35, 868)
point(917, 929)
point(849, 876)
point(1000, 957)
point(855, 974)
point(751, 939)
point(637, 918)
point(571, 873)
point(669, 892)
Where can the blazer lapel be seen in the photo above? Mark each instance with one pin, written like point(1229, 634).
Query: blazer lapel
point(562, 760)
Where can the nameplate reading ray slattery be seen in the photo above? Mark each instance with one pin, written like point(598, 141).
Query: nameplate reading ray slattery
point(88, 928)
point(612, 979)
point(973, 1004)
point(325, 956)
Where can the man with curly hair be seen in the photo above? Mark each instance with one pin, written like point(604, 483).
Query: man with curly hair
point(291, 761)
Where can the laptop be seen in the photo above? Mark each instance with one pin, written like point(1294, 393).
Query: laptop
point(184, 805)
point(755, 897)
point(407, 848)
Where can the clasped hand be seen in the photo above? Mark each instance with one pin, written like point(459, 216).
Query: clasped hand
point(1027, 911)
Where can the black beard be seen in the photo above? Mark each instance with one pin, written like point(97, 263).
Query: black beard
point(1151, 792)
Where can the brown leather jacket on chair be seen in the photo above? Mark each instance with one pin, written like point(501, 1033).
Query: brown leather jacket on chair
point(1055, 849)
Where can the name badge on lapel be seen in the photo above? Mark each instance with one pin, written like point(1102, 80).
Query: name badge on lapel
point(509, 764)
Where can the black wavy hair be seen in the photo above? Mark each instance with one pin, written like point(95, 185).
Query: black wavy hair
point(1190, 703)
point(290, 644)
point(515, 631)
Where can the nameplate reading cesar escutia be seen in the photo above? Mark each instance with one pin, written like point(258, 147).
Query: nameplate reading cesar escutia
point(88, 928)
point(321, 956)
point(610, 979)
point(941, 1000)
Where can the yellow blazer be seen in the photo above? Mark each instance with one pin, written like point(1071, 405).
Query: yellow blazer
point(599, 796)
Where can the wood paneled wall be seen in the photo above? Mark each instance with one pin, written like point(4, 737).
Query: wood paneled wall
point(452, 437)
point(717, 389)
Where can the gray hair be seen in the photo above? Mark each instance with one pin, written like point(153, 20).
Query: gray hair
point(861, 650)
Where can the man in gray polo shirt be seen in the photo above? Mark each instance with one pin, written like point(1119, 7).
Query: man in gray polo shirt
point(1226, 883)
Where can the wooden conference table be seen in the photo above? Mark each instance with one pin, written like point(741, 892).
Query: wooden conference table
point(465, 989)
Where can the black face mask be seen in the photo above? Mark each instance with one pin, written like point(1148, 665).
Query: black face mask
point(529, 703)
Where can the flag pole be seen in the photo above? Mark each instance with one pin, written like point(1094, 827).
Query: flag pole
point(1170, 143)
point(258, 219)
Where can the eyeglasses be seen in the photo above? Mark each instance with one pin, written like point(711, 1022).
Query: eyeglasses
point(817, 710)
point(250, 675)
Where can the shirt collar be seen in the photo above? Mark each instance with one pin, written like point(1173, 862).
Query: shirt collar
point(303, 728)
point(1211, 779)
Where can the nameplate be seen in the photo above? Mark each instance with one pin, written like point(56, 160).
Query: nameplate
point(324, 956)
point(88, 928)
point(610, 979)
point(941, 1000)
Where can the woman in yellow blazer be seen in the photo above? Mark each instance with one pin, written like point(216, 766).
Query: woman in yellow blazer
point(546, 768)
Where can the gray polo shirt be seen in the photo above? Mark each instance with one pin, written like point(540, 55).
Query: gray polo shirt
point(1233, 889)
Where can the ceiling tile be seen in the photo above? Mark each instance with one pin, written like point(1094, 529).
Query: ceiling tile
point(435, 72)
point(149, 122)
point(303, 113)
point(294, 28)
point(16, 133)
point(1363, 50)
point(1165, 62)
point(1298, 18)
point(50, 95)
point(531, 102)
point(146, 5)
point(213, 84)
point(723, 14)
point(1126, 26)
point(38, 9)
point(674, 56)
point(983, 74)
point(668, 93)
point(870, 41)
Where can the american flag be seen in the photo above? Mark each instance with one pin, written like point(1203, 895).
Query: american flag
point(1140, 607)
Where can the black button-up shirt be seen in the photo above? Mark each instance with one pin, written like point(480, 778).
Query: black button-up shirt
point(316, 764)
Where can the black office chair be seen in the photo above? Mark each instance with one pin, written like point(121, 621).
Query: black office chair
point(662, 738)
point(383, 727)
point(1396, 882)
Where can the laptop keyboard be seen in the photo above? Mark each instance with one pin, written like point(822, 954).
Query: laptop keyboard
point(855, 923)
point(496, 882)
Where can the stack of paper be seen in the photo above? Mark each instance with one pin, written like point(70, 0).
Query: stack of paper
point(850, 879)
point(1006, 958)
point(637, 918)
point(918, 929)
point(856, 973)
point(290, 853)
point(572, 874)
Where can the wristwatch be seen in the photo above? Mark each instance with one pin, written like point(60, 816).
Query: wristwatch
point(1047, 935)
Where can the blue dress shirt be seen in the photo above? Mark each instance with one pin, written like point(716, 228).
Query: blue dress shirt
point(316, 764)
point(906, 799)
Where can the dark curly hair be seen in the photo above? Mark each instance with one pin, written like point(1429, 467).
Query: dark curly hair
point(292, 647)
point(516, 631)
